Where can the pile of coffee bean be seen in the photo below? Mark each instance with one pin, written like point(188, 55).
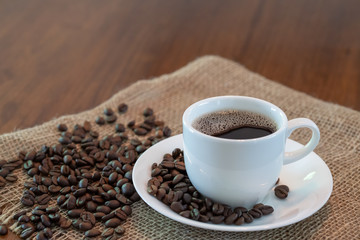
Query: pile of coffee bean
point(42, 218)
point(6, 169)
point(170, 184)
point(89, 178)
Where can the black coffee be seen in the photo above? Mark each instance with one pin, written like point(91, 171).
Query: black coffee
point(235, 124)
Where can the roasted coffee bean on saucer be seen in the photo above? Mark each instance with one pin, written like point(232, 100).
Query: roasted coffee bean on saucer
point(281, 191)
point(170, 184)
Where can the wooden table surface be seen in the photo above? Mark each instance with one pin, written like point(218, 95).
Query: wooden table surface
point(63, 57)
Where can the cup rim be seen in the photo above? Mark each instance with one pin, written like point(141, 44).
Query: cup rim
point(188, 124)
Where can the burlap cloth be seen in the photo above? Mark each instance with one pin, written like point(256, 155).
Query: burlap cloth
point(169, 95)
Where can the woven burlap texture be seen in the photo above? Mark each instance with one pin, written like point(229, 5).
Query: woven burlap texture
point(169, 95)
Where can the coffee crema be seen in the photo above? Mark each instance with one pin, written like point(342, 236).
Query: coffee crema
point(235, 124)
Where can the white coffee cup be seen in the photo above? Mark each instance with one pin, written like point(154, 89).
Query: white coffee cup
point(240, 172)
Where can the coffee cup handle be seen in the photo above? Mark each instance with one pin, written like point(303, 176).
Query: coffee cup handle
point(293, 124)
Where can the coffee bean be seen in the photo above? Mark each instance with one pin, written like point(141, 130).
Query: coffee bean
point(177, 207)
point(24, 219)
point(148, 112)
point(217, 219)
point(259, 205)
point(35, 219)
point(110, 119)
point(167, 131)
point(231, 218)
point(27, 200)
point(119, 127)
point(70, 202)
point(94, 134)
point(240, 210)
point(91, 206)
point(2, 182)
point(92, 233)
point(74, 213)
point(19, 214)
point(122, 108)
point(255, 212)
point(108, 112)
point(52, 209)
point(100, 120)
point(64, 223)
point(107, 232)
point(286, 188)
point(37, 212)
point(3, 229)
point(80, 192)
point(113, 222)
point(248, 217)
point(277, 181)
point(63, 181)
point(97, 199)
point(155, 172)
point(54, 217)
point(48, 233)
point(30, 155)
point(62, 127)
point(127, 189)
point(108, 216)
point(266, 209)
point(239, 221)
point(87, 126)
point(113, 237)
point(180, 166)
point(103, 209)
point(88, 217)
point(42, 189)
point(185, 214)
point(194, 214)
point(120, 230)
point(99, 215)
point(45, 220)
point(11, 178)
point(181, 186)
point(64, 140)
point(4, 172)
point(26, 233)
point(112, 204)
point(176, 153)
point(120, 214)
point(43, 199)
point(127, 209)
point(140, 131)
point(54, 189)
point(217, 209)
point(41, 236)
point(131, 124)
point(85, 226)
point(281, 191)
point(160, 193)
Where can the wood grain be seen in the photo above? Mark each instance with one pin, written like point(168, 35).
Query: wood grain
point(62, 57)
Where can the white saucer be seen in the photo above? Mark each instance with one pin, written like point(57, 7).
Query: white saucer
point(309, 180)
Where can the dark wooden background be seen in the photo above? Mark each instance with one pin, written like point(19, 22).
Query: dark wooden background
point(62, 57)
